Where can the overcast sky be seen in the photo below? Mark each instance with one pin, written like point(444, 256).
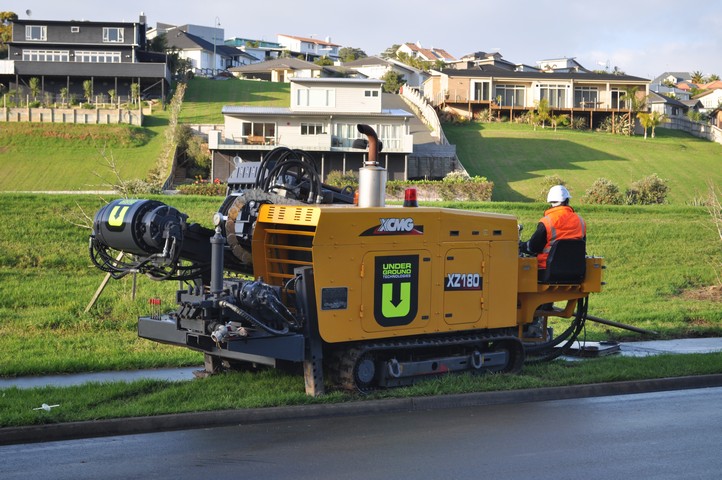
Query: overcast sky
point(642, 37)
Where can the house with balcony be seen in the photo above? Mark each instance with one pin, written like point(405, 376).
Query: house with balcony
point(64, 54)
point(510, 93)
point(321, 119)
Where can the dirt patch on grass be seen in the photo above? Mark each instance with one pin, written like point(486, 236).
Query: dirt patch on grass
point(711, 294)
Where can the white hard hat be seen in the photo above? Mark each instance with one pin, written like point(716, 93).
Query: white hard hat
point(557, 194)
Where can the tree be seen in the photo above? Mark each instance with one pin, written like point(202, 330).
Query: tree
point(63, 95)
point(323, 61)
point(542, 111)
point(391, 51)
point(634, 104)
point(712, 78)
point(650, 120)
point(392, 81)
point(134, 93)
point(697, 77)
point(656, 119)
point(557, 120)
point(34, 85)
point(349, 54)
point(88, 90)
point(6, 31)
point(646, 120)
point(158, 44)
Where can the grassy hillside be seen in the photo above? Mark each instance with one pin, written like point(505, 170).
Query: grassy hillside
point(46, 280)
point(205, 98)
point(75, 157)
point(516, 158)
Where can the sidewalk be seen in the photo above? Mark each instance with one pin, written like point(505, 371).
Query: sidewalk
point(632, 349)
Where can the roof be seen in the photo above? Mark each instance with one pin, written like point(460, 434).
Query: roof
point(431, 53)
point(277, 64)
point(716, 85)
point(352, 81)
point(187, 41)
point(378, 61)
point(491, 71)
point(285, 111)
point(655, 97)
point(310, 40)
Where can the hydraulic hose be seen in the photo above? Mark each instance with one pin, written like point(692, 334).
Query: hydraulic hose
point(250, 318)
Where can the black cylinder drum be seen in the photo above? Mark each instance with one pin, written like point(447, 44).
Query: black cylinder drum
point(137, 226)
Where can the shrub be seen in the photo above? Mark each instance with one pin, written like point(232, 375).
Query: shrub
point(455, 186)
point(336, 178)
point(578, 123)
point(650, 190)
point(204, 187)
point(137, 186)
point(603, 192)
point(547, 183)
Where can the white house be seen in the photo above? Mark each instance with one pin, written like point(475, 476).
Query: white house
point(710, 99)
point(310, 48)
point(377, 67)
point(322, 118)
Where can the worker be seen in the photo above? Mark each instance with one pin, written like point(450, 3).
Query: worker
point(560, 222)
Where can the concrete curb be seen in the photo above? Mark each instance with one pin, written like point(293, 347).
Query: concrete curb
point(184, 421)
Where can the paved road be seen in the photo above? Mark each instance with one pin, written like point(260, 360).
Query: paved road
point(668, 435)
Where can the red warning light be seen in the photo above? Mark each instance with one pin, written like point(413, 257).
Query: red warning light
point(410, 198)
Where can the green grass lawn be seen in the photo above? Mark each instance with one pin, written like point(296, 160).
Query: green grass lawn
point(75, 157)
point(516, 158)
point(46, 280)
point(205, 98)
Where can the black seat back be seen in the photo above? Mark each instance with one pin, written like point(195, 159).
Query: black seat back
point(566, 263)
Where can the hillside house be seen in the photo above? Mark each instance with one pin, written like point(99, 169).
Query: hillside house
point(321, 119)
point(64, 54)
point(377, 67)
point(206, 59)
point(511, 93)
point(309, 48)
point(710, 99)
point(415, 50)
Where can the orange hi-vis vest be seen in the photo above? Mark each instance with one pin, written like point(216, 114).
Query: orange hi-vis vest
point(561, 223)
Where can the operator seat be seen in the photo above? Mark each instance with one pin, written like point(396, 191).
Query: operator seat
point(566, 263)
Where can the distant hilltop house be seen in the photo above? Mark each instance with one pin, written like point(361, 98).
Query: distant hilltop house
point(203, 46)
point(488, 83)
point(377, 67)
point(285, 69)
point(261, 49)
point(65, 54)
point(415, 50)
point(321, 119)
point(309, 48)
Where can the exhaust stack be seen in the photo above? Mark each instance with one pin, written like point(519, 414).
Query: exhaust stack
point(372, 177)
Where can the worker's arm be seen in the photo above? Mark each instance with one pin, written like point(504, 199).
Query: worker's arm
point(537, 242)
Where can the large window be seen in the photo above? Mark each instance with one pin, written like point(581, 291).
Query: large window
point(258, 133)
point(36, 33)
point(480, 91)
point(510, 95)
point(586, 97)
point(46, 56)
point(344, 134)
point(554, 94)
point(390, 135)
point(97, 57)
point(113, 34)
point(317, 97)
